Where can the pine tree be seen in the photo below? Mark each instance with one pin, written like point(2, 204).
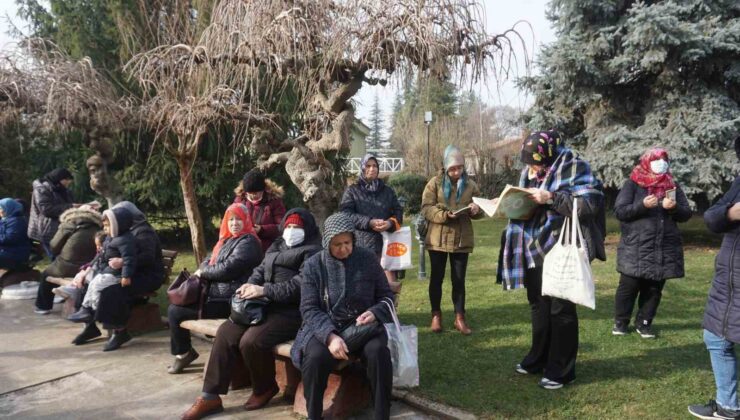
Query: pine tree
point(624, 76)
point(375, 139)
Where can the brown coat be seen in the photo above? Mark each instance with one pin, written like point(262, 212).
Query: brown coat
point(445, 234)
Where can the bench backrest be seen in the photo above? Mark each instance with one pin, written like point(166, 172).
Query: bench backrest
point(168, 260)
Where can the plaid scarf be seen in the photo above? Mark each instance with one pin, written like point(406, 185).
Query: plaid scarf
point(527, 241)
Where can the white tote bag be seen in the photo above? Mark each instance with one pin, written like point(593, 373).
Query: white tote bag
point(566, 273)
point(403, 345)
point(396, 250)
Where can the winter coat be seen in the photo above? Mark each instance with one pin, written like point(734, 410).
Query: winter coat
point(650, 246)
point(48, 202)
point(279, 271)
point(74, 241)
point(445, 234)
point(150, 272)
point(364, 205)
point(722, 312)
point(266, 214)
point(591, 216)
point(121, 245)
point(234, 264)
point(354, 285)
point(14, 242)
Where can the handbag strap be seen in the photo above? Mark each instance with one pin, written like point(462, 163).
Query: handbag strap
point(392, 310)
point(577, 225)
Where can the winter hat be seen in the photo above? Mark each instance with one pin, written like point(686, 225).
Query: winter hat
point(294, 219)
point(138, 216)
point(541, 148)
point(112, 222)
point(57, 175)
point(453, 157)
point(335, 224)
point(253, 181)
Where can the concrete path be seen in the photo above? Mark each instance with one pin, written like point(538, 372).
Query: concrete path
point(43, 376)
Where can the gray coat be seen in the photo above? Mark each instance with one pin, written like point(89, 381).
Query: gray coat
point(48, 202)
point(722, 312)
point(355, 285)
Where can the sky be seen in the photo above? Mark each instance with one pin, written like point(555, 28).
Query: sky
point(527, 16)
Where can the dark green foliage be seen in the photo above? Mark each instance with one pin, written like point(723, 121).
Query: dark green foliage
point(492, 184)
point(411, 187)
point(624, 76)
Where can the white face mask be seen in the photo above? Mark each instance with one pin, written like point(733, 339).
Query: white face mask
point(659, 167)
point(293, 236)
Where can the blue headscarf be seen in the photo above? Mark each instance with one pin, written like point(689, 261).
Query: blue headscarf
point(368, 185)
point(453, 157)
point(11, 207)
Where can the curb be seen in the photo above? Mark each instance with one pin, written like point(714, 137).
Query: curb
point(430, 407)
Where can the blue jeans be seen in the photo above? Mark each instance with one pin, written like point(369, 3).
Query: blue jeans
point(724, 366)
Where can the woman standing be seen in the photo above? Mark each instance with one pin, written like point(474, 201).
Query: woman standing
point(230, 264)
point(374, 208)
point(554, 176)
point(264, 200)
point(277, 278)
point(51, 197)
point(343, 285)
point(449, 235)
point(650, 249)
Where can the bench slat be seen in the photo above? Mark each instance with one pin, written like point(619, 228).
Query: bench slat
point(203, 326)
point(61, 281)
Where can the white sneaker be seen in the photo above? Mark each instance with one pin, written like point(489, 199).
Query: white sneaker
point(41, 311)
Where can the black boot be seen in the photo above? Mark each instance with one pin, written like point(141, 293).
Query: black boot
point(118, 338)
point(91, 331)
point(85, 314)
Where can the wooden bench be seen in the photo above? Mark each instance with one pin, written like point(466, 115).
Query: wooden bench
point(144, 314)
point(11, 277)
point(347, 391)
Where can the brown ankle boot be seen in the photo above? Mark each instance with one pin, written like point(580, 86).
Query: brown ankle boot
point(436, 321)
point(461, 326)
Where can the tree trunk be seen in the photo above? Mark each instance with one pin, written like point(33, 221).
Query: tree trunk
point(195, 222)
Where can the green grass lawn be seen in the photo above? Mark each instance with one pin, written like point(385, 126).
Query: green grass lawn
point(618, 377)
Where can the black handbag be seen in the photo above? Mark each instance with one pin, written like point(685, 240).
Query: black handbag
point(248, 311)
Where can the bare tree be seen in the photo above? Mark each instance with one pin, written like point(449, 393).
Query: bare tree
point(42, 87)
point(323, 50)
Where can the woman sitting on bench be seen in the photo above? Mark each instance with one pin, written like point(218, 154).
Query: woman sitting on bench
point(14, 244)
point(277, 279)
point(236, 254)
point(343, 287)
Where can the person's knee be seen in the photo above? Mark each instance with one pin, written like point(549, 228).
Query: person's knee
point(377, 350)
point(173, 314)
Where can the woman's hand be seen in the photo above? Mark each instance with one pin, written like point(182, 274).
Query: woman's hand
point(451, 215)
point(734, 212)
point(669, 204)
point(125, 282)
point(337, 347)
point(650, 201)
point(540, 196)
point(474, 209)
point(365, 318)
point(378, 225)
point(115, 263)
point(251, 291)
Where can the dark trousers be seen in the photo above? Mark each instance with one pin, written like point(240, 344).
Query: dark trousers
point(180, 337)
point(318, 364)
point(11, 264)
point(458, 266)
point(44, 296)
point(649, 291)
point(554, 332)
point(254, 346)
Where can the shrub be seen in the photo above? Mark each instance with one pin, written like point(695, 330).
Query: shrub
point(411, 187)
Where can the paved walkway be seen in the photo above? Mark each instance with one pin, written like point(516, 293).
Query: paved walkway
point(43, 376)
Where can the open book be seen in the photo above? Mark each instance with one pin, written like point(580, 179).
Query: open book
point(513, 203)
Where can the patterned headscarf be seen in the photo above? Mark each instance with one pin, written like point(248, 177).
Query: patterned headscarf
point(368, 185)
point(453, 157)
point(644, 176)
point(334, 225)
point(240, 211)
point(541, 148)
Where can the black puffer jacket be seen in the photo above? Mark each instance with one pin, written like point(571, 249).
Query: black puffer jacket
point(592, 217)
point(149, 274)
point(234, 264)
point(364, 205)
point(650, 246)
point(722, 313)
point(48, 202)
point(279, 271)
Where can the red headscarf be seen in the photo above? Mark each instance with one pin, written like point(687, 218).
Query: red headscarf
point(656, 184)
point(240, 211)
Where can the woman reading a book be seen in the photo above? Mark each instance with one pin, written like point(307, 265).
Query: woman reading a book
point(450, 233)
point(648, 206)
point(554, 176)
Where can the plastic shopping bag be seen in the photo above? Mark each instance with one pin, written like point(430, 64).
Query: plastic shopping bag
point(403, 345)
point(566, 272)
point(396, 250)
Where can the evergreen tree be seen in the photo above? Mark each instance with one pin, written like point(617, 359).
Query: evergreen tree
point(624, 76)
point(375, 139)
